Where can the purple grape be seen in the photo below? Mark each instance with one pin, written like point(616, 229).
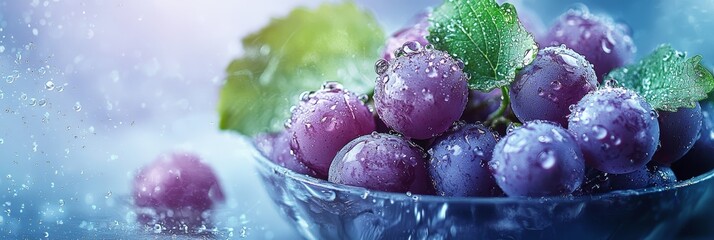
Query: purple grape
point(459, 162)
point(276, 147)
point(699, 159)
point(422, 182)
point(323, 122)
point(480, 105)
point(616, 130)
point(420, 93)
point(176, 191)
point(415, 31)
point(538, 159)
point(545, 89)
point(678, 132)
point(604, 43)
point(645, 177)
point(377, 161)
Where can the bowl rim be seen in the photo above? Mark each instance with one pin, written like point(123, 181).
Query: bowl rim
point(264, 162)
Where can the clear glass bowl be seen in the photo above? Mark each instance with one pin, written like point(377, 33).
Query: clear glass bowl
point(323, 210)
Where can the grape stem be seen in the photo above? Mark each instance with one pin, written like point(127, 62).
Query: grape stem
point(497, 116)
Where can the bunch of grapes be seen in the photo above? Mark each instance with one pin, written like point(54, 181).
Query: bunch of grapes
point(569, 133)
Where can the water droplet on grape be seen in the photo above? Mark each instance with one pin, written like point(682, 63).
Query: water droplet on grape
point(600, 132)
point(381, 66)
point(332, 86)
point(411, 47)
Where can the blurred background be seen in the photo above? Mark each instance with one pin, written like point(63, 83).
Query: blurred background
point(92, 90)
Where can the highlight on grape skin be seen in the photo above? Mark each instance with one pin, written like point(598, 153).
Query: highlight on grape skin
point(377, 161)
point(176, 193)
point(546, 88)
point(421, 92)
point(323, 122)
point(536, 160)
point(616, 129)
point(459, 162)
point(604, 43)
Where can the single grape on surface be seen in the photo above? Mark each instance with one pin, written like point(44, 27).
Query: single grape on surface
point(323, 122)
point(678, 132)
point(459, 162)
point(536, 160)
point(545, 89)
point(377, 161)
point(616, 129)
point(420, 93)
point(175, 191)
point(415, 31)
point(604, 43)
point(276, 147)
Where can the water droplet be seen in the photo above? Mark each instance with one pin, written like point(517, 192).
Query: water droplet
point(49, 85)
point(600, 132)
point(544, 139)
point(556, 85)
point(570, 60)
point(606, 46)
point(381, 66)
point(411, 47)
point(332, 86)
point(77, 106)
point(431, 72)
point(547, 159)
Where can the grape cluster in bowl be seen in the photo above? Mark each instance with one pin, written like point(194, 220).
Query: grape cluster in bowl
point(569, 146)
point(424, 131)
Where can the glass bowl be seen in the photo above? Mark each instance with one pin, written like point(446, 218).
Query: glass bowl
point(320, 209)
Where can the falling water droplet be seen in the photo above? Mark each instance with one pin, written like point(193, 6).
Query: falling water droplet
point(49, 85)
point(77, 106)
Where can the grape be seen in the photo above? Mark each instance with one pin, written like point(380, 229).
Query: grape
point(420, 93)
point(422, 182)
point(276, 147)
point(377, 161)
point(538, 159)
point(323, 122)
point(604, 43)
point(458, 163)
point(175, 191)
point(645, 177)
point(616, 130)
point(545, 89)
point(678, 132)
point(699, 159)
point(415, 31)
point(480, 105)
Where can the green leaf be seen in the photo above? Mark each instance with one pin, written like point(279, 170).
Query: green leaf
point(489, 39)
point(666, 79)
point(335, 42)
